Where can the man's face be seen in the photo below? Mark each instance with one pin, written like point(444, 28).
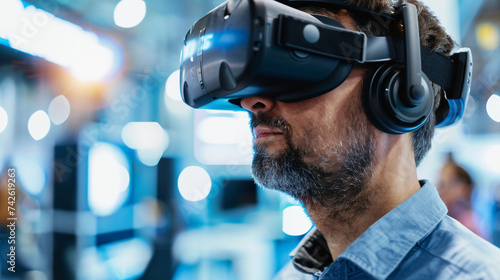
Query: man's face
point(316, 126)
point(318, 149)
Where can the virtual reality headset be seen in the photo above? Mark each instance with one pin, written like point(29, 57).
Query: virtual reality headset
point(245, 48)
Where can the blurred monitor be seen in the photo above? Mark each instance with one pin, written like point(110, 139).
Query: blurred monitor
point(238, 193)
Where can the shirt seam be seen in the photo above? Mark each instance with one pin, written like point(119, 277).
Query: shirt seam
point(459, 268)
point(416, 237)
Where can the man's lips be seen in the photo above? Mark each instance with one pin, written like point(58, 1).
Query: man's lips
point(260, 132)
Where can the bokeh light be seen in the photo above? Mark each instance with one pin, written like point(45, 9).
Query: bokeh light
point(224, 130)
point(489, 157)
point(4, 119)
point(487, 36)
point(59, 110)
point(194, 183)
point(493, 107)
point(92, 63)
point(129, 13)
point(109, 178)
point(144, 135)
point(33, 181)
point(172, 86)
point(295, 221)
point(149, 139)
point(39, 125)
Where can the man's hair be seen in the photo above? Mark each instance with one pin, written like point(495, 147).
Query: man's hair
point(432, 35)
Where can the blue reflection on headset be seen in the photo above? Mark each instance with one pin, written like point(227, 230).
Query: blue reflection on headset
point(205, 42)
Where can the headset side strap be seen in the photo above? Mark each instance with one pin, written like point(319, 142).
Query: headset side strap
point(330, 41)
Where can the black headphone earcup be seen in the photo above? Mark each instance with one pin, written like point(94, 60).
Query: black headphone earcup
point(390, 108)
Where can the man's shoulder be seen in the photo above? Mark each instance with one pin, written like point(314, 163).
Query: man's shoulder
point(456, 245)
point(450, 234)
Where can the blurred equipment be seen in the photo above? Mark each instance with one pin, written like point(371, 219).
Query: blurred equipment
point(238, 193)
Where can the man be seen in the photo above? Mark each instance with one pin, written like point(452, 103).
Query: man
point(374, 219)
point(335, 151)
point(455, 187)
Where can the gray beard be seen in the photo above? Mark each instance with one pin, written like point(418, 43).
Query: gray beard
point(340, 184)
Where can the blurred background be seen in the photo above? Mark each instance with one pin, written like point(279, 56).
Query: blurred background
point(115, 178)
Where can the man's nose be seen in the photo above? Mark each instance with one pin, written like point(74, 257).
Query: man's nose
point(257, 104)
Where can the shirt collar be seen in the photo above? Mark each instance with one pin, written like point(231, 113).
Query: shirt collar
point(381, 248)
point(312, 255)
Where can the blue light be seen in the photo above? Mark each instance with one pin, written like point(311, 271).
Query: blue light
point(207, 41)
point(128, 259)
point(188, 50)
point(108, 178)
point(228, 40)
point(124, 259)
point(34, 179)
point(4, 42)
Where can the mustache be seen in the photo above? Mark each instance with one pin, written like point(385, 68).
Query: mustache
point(273, 122)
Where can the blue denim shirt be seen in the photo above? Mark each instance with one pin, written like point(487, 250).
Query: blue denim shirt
point(416, 240)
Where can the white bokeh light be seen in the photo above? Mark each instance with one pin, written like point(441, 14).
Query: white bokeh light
point(4, 119)
point(144, 135)
point(92, 62)
point(129, 13)
point(59, 110)
point(224, 130)
point(39, 125)
point(149, 139)
point(194, 183)
point(109, 178)
point(489, 158)
point(295, 221)
point(222, 137)
point(149, 157)
point(493, 107)
point(172, 86)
